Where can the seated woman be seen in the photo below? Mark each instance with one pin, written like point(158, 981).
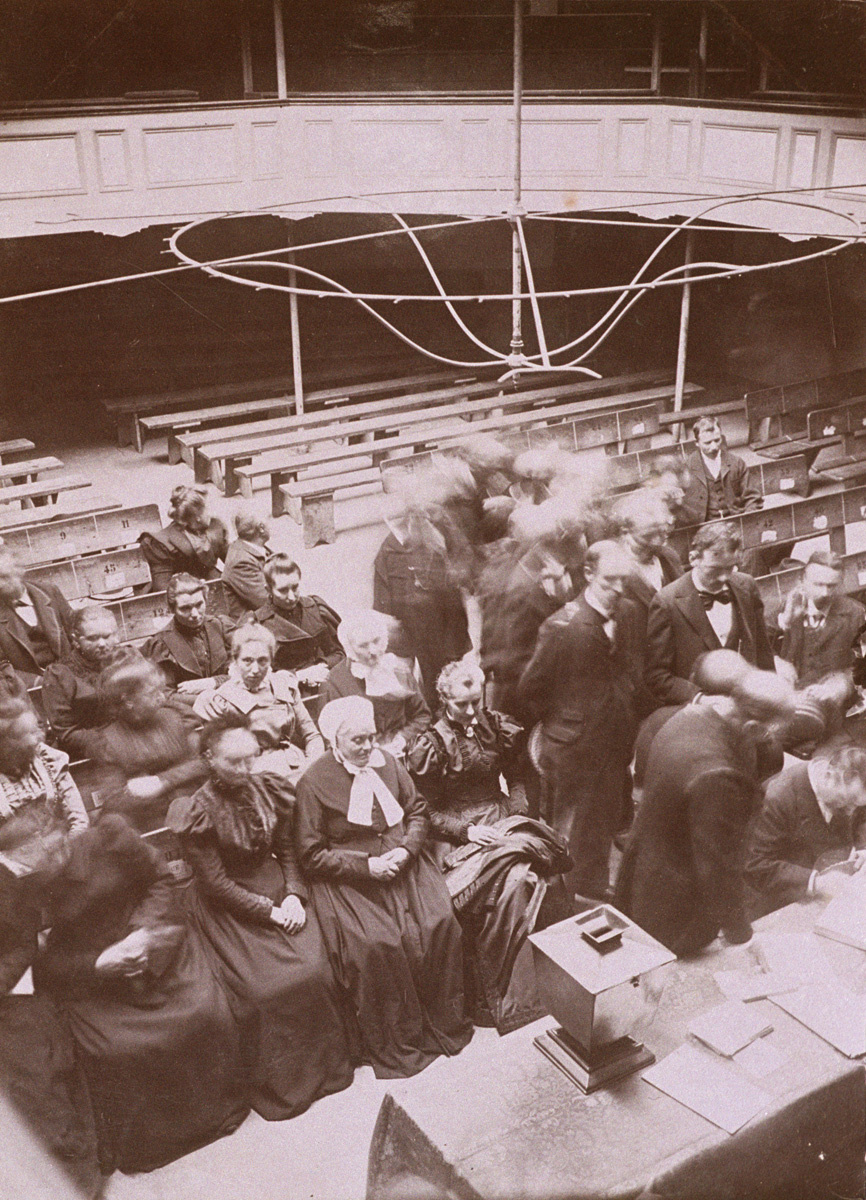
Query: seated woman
point(34, 776)
point(237, 833)
point(369, 670)
point(270, 699)
point(149, 751)
point(193, 541)
point(457, 764)
point(385, 913)
point(70, 693)
point(154, 1031)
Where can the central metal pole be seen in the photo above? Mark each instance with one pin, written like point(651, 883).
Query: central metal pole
point(295, 325)
point(682, 347)
point(280, 46)
point(517, 207)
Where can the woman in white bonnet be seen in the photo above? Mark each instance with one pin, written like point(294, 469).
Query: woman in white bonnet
point(400, 710)
point(381, 902)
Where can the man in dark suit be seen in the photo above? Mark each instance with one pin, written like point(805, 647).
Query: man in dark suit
point(244, 568)
point(35, 621)
point(821, 626)
point(581, 682)
point(681, 875)
point(193, 650)
point(305, 627)
point(813, 817)
point(709, 608)
point(718, 483)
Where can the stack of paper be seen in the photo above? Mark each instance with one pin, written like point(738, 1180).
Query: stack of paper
point(754, 985)
point(730, 1027)
point(834, 1013)
point(844, 918)
point(708, 1087)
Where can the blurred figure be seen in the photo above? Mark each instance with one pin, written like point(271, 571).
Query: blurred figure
point(304, 627)
point(671, 478)
point(192, 650)
point(192, 543)
point(34, 622)
point(244, 569)
point(821, 626)
point(149, 751)
point(370, 670)
point(269, 700)
point(412, 583)
point(719, 480)
point(681, 876)
point(581, 683)
point(711, 606)
point(70, 692)
point(805, 839)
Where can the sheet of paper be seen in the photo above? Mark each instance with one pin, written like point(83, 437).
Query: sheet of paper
point(834, 1013)
point(730, 1026)
point(716, 1091)
point(792, 956)
point(760, 1058)
point(754, 985)
point(844, 918)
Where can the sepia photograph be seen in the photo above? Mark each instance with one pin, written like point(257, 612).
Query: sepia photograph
point(433, 599)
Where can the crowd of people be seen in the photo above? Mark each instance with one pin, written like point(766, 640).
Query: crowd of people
point(319, 839)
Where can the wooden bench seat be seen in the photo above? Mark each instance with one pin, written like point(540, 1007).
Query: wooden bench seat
point(140, 617)
point(27, 518)
point(475, 395)
point(15, 446)
point(42, 488)
point(27, 469)
point(94, 575)
point(778, 416)
point(71, 536)
point(220, 462)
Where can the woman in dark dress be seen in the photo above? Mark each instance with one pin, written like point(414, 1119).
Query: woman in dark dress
point(385, 913)
point(369, 670)
point(457, 764)
point(154, 1031)
point(149, 752)
point(236, 831)
point(193, 541)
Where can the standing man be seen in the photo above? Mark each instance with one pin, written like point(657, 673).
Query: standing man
point(193, 650)
point(35, 620)
point(305, 627)
point(681, 877)
point(821, 626)
point(244, 568)
point(711, 607)
point(718, 480)
point(581, 682)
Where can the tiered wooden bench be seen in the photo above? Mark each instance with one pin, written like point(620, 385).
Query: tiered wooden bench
point(209, 449)
point(27, 518)
point(48, 489)
point(72, 536)
point(233, 409)
point(779, 416)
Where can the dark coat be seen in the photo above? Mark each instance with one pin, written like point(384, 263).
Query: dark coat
point(170, 552)
point(679, 632)
point(244, 577)
point(815, 653)
point(407, 714)
point(789, 836)
point(641, 595)
point(54, 615)
point(308, 637)
point(172, 653)
point(581, 687)
point(681, 873)
point(740, 494)
point(70, 697)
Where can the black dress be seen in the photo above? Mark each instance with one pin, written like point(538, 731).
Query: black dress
point(394, 944)
point(160, 1051)
point(240, 845)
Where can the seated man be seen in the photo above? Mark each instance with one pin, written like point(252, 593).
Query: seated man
point(244, 569)
point(193, 650)
point(713, 606)
point(70, 695)
point(305, 627)
point(718, 480)
point(821, 626)
point(34, 622)
point(813, 816)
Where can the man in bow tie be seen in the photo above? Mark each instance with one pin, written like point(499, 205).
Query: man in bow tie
point(713, 606)
point(821, 626)
point(581, 682)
